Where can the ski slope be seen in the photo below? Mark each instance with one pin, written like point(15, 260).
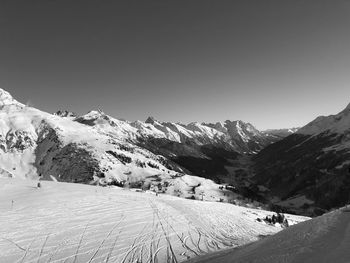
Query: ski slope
point(322, 240)
point(63, 222)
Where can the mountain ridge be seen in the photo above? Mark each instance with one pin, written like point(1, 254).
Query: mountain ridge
point(96, 148)
point(309, 171)
point(238, 135)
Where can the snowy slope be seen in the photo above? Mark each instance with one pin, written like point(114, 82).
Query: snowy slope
point(339, 123)
point(37, 142)
point(323, 239)
point(62, 222)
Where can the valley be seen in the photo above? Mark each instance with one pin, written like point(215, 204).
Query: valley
point(120, 191)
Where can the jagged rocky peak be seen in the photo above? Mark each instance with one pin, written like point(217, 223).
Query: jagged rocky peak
point(94, 114)
point(91, 117)
point(151, 120)
point(241, 126)
point(65, 113)
point(217, 126)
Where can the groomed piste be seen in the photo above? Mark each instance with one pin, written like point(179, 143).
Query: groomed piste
point(64, 222)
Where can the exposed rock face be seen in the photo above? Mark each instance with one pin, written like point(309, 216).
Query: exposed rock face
point(69, 163)
point(314, 163)
point(65, 113)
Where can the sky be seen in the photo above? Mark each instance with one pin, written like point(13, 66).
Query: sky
point(275, 64)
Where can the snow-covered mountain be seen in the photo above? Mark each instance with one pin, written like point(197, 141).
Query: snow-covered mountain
point(35, 143)
point(333, 124)
point(204, 149)
point(234, 135)
point(282, 133)
point(97, 148)
point(310, 170)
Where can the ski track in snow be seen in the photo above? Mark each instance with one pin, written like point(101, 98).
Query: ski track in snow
point(63, 222)
point(323, 239)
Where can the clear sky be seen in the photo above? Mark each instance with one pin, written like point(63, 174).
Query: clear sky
point(272, 63)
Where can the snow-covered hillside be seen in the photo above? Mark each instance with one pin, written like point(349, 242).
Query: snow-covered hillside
point(339, 123)
point(63, 222)
point(323, 239)
point(35, 143)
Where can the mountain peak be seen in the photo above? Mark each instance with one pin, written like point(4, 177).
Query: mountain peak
point(7, 99)
point(336, 124)
point(151, 120)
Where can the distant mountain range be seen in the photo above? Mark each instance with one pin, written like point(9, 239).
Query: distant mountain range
point(96, 148)
point(202, 149)
point(304, 170)
point(231, 135)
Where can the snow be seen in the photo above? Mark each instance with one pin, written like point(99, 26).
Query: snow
point(280, 132)
point(62, 222)
point(338, 123)
point(241, 133)
point(322, 239)
point(178, 132)
point(30, 141)
point(25, 141)
point(7, 100)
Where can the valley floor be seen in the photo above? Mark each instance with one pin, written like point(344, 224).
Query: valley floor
point(62, 222)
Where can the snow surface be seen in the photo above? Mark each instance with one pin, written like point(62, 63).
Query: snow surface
point(63, 222)
point(322, 239)
point(338, 123)
point(7, 100)
point(33, 142)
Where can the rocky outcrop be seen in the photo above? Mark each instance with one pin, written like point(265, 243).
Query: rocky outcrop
point(65, 113)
